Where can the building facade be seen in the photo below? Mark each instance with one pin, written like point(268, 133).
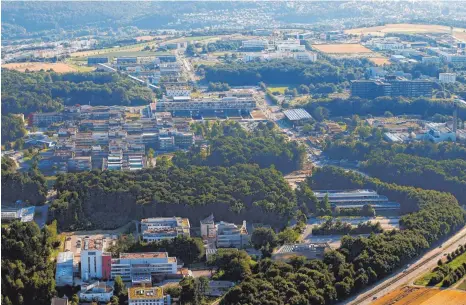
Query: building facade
point(230, 235)
point(147, 296)
point(154, 229)
point(135, 265)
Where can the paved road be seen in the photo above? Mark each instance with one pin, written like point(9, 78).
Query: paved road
point(409, 275)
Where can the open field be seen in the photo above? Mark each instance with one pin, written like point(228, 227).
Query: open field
point(459, 33)
point(37, 66)
point(422, 296)
point(424, 280)
point(380, 61)
point(462, 285)
point(130, 48)
point(342, 48)
point(280, 90)
point(145, 38)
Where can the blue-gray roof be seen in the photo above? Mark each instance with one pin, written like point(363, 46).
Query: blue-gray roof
point(297, 114)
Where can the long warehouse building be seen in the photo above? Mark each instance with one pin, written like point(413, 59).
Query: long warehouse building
point(226, 103)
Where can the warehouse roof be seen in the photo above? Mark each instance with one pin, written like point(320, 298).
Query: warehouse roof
point(297, 114)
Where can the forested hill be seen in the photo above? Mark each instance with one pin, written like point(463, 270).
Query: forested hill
point(49, 91)
point(110, 199)
point(286, 71)
point(231, 144)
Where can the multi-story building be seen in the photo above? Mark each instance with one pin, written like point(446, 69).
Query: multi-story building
point(98, 291)
point(64, 270)
point(95, 263)
point(447, 78)
point(136, 265)
point(305, 56)
point(170, 69)
point(231, 236)
point(183, 139)
point(78, 164)
point(96, 60)
point(255, 45)
point(439, 133)
point(226, 103)
point(392, 86)
point(154, 229)
point(448, 55)
point(208, 229)
point(46, 119)
point(147, 296)
point(357, 199)
point(172, 90)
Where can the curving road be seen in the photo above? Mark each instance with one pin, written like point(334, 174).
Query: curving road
point(408, 275)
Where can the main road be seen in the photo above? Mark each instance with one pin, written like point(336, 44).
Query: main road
point(408, 275)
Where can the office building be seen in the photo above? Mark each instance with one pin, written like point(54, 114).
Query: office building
point(448, 55)
point(230, 235)
point(369, 88)
point(45, 119)
point(172, 90)
point(78, 164)
point(254, 45)
point(297, 117)
point(391, 86)
point(154, 229)
point(226, 103)
point(97, 291)
point(95, 263)
point(447, 78)
point(439, 133)
point(147, 296)
point(96, 60)
point(208, 229)
point(64, 269)
point(357, 199)
point(135, 265)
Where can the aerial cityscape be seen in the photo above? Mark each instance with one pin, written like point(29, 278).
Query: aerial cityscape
point(233, 152)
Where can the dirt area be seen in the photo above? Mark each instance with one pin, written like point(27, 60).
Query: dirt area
point(343, 48)
point(422, 296)
point(258, 115)
point(380, 61)
point(408, 28)
point(37, 66)
point(296, 177)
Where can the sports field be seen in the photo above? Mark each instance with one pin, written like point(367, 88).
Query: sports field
point(459, 33)
point(343, 48)
point(37, 66)
point(422, 296)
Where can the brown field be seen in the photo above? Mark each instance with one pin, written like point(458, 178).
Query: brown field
point(380, 61)
point(422, 296)
point(37, 66)
point(258, 115)
point(145, 38)
point(344, 48)
point(459, 33)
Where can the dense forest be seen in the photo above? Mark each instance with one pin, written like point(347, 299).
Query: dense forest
point(338, 107)
point(29, 187)
point(231, 144)
point(12, 128)
point(359, 261)
point(286, 71)
point(48, 91)
point(110, 199)
point(27, 270)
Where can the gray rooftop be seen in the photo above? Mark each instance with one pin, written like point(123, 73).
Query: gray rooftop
point(297, 114)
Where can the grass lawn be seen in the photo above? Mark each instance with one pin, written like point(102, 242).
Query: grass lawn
point(424, 280)
point(462, 286)
point(280, 90)
point(60, 248)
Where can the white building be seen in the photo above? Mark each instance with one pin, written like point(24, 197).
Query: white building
point(208, 229)
point(147, 296)
point(136, 265)
point(95, 292)
point(305, 56)
point(95, 263)
point(159, 228)
point(257, 44)
point(447, 78)
point(386, 44)
point(439, 133)
point(177, 90)
point(291, 45)
point(231, 236)
point(64, 272)
point(430, 60)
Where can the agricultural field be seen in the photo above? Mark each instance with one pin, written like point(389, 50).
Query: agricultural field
point(459, 33)
point(455, 263)
point(422, 296)
point(380, 61)
point(37, 66)
point(342, 48)
point(130, 48)
point(145, 38)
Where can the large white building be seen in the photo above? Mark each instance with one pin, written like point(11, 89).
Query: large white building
point(291, 45)
point(147, 296)
point(154, 229)
point(230, 235)
point(447, 78)
point(388, 43)
point(226, 103)
point(136, 265)
point(255, 44)
point(439, 133)
point(95, 263)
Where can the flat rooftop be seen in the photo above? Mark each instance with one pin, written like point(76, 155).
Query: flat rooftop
point(144, 255)
point(297, 114)
point(145, 293)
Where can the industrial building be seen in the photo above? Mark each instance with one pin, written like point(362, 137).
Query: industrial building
point(230, 235)
point(308, 250)
point(132, 266)
point(64, 271)
point(147, 296)
point(199, 105)
point(297, 117)
point(357, 199)
point(154, 229)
